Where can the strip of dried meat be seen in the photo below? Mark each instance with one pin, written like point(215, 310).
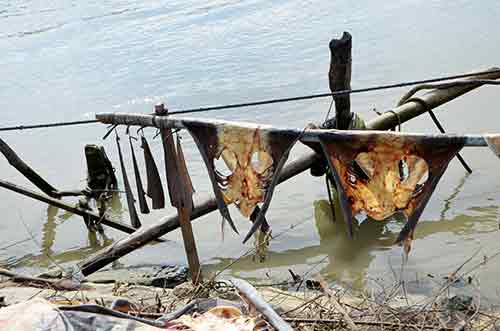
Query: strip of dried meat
point(143, 205)
point(154, 186)
point(384, 173)
point(134, 218)
point(253, 155)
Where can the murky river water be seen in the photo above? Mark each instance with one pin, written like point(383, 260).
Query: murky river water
point(66, 60)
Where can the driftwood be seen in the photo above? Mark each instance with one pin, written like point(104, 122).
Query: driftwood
point(404, 113)
point(73, 209)
point(339, 77)
point(59, 284)
point(26, 170)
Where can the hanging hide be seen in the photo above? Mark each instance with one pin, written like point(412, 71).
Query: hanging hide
point(155, 187)
point(185, 184)
point(143, 205)
point(169, 153)
point(493, 141)
point(134, 218)
point(254, 157)
point(366, 167)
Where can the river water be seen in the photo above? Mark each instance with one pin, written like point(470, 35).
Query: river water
point(67, 60)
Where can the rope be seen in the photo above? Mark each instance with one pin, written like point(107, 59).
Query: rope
point(290, 99)
point(47, 125)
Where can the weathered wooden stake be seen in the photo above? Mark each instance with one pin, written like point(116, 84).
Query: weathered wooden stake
point(404, 113)
point(180, 190)
point(340, 78)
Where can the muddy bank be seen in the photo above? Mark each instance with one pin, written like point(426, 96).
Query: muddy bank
point(316, 306)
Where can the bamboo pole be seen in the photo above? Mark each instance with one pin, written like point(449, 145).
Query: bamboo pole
point(403, 113)
point(73, 209)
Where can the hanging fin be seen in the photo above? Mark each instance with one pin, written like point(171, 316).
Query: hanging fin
point(154, 184)
point(170, 156)
point(143, 205)
point(185, 179)
point(134, 218)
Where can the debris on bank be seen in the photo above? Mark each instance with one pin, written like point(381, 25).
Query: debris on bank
point(228, 304)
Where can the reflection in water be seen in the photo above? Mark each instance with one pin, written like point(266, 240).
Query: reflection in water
point(348, 260)
point(456, 191)
point(96, 241)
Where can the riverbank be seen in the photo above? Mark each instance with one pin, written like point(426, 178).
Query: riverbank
point(306, 304)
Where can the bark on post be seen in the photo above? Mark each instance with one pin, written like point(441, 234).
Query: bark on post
point(385, 121)
point(340, 78)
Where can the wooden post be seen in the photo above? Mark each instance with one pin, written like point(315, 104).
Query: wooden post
point(340, 78)
point(180, 191)
point(385, 121)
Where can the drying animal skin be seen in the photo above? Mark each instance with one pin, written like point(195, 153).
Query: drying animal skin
point(138, 181)
point(134, 218)
point(493, 141)
point(218, 318)
point(387, 173)
point(254, 156)
point(154, 187)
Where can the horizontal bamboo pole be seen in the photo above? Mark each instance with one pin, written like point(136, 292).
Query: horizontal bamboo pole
point(405, 112)
point(309, 136)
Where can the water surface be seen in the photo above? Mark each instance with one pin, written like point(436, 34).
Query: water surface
point(67, 60)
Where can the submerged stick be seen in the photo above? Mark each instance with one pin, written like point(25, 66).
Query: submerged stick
point(134, 218)
point(404, 113)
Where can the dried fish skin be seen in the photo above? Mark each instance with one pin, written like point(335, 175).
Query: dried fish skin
point(134, 218)
point(154, 185)
point(185, 180)
point(254, 156)
point(381, 190)
point(143, 205)
point(170, 157)
point(493, 141)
